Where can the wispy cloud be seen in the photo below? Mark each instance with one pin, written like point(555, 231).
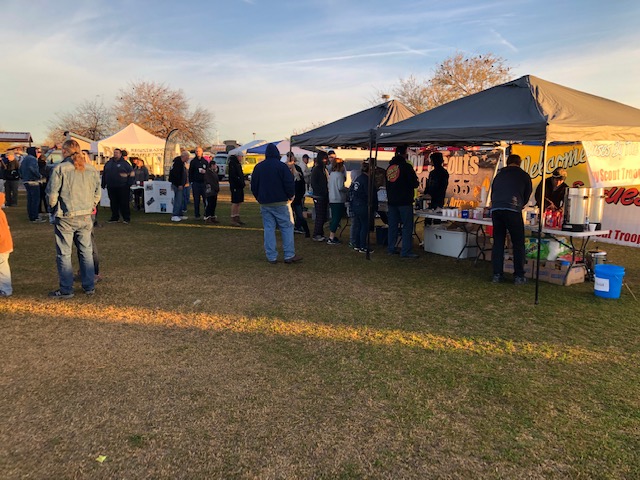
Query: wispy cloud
point(352, 57)
point(503, 41)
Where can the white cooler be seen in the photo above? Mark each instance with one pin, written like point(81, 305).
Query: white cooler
point(448, 242)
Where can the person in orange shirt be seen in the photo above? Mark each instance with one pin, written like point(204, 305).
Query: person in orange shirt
point(6, 247)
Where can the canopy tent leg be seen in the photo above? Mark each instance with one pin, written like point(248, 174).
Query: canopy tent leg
point(544, 174)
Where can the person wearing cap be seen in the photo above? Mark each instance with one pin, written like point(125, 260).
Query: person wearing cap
point(11, 179)
point(438, 181)
point(273, 186)
point(554, 190)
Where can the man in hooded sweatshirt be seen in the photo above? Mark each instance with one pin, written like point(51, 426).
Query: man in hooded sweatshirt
point(401, 184)
point(30, 174)
point(273, 186)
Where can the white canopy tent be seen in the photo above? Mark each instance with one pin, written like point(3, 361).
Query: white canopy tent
point(138, 143)
point(242, 149)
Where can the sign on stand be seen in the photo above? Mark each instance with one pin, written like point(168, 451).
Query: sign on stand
point(158, 197)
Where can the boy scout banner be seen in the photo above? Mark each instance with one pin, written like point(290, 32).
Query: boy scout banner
point(622, 204)
point(470, 173)
point(613, 164)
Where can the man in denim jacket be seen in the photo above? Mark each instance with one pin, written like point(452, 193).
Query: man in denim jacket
point(73, 193)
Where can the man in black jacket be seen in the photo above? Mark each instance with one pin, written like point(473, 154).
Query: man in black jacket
point(117, 178)
point(438, 181)
point(510, 193)
point(236, 186)
point(401, 184)
point(197, 168)
point(178, 179)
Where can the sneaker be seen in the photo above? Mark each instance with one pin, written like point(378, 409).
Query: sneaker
point(90, 292)
point(126, 222)
point(112, 221)
point(519, 280)
point(410, 255)
point(351, 245)
point(176, 219)
point(363, 250)
point(59, 294)
point(206, 219)
point(319, 238)
point(294, 259)
point(273, 262)
point(497, 278)
point(333, 241)
point(184, 217)
point(298, 230)
point(97, 278)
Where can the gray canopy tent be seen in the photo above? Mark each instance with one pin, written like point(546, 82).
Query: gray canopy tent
point(354, 129)
point(358, 129)
point(525, 109)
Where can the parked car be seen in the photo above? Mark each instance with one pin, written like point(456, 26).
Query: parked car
point(249, 162)
point(221, 160)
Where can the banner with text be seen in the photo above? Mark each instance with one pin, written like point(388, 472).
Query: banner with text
point(613, 164)
point(622, 202)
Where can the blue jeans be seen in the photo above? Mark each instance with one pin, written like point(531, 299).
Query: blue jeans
point(198, 190)
point(282, 217)
point(402, 214)
point(5, 274)
point(33, 200)
point(70, 231)
point(178, 197)
point(186, 192)
point(300, 221)
point(360, 226)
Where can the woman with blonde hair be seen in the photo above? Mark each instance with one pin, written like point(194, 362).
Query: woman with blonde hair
point(73, 193)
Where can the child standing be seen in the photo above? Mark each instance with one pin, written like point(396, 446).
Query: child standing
point(6, 247)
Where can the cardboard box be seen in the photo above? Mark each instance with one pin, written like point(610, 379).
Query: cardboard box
point(557, 274)
point(449, 242)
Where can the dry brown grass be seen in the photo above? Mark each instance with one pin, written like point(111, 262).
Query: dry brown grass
point(197, 359)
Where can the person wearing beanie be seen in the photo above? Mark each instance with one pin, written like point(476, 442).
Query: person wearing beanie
point(273, 186)
point(438, 181)
point(6, 247)
point(31, 177)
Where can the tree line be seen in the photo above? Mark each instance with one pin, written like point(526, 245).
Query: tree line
point(159, 109)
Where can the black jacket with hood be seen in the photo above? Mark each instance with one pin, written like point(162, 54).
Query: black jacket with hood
point(401, 182)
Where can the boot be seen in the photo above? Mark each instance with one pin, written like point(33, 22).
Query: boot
point(235, 221)
point(240, 221)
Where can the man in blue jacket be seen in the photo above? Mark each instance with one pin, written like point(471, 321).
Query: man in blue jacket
point(30, 174)
point(273, 186)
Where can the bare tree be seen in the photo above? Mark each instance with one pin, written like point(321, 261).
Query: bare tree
point(91, 119)
point(159, 109)
point(456, 77)
point(313, 126)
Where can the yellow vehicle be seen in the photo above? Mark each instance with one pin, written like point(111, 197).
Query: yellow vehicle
point(249, 162)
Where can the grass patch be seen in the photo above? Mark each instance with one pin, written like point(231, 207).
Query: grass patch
point(198, 359)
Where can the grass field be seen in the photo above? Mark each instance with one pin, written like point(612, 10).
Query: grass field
point(197, 359)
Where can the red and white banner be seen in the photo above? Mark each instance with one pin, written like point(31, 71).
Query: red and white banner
point(613, 164)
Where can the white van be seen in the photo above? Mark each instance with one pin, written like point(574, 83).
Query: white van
point(221, 160)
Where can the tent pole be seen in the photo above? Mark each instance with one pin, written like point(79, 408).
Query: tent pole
point(372, 170)
point(540, 217)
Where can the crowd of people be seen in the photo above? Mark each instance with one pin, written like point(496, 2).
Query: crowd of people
point(68, 194)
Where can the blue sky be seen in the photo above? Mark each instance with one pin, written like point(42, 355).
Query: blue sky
point(271, 67)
